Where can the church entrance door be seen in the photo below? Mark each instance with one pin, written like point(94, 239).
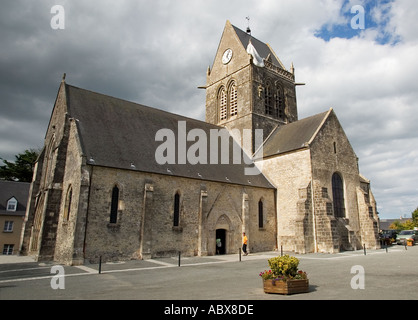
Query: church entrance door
point(220, 241)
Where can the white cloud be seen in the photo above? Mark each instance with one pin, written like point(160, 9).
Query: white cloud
point(373, 90)
point(401, 19)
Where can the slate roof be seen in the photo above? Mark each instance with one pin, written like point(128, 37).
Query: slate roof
point(262, 48)
point(18, 190)
point(121, 134)
point(293, 136)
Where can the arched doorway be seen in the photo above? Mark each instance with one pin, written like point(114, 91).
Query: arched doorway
point(224, 235)
point(221, 241)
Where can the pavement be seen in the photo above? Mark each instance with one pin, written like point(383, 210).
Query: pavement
point(376, 275)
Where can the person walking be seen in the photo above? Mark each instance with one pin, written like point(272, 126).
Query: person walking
point(218, 246)
point(244, 243)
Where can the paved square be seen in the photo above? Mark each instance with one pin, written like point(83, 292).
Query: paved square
point(387, 275)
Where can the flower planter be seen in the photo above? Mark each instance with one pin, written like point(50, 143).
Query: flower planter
point(286, 287)
point(284, 276)
point(410, 243)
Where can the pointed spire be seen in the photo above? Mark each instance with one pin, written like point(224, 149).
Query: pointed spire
point(292, 68)
point(63, 77)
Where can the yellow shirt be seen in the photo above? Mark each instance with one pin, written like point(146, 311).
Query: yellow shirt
point(244, 240)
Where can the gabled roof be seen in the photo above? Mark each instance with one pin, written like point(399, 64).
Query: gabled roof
point(121, 134)
point(18, 190)
point(293, 136)
point(263, 49)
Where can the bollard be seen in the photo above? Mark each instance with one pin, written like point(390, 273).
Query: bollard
point(281, 250)
point(100, 265)
point(179, 257)
point(239, 253)
point(364, 247)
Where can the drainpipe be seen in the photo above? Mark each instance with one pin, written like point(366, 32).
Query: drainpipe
point(313, 212)
point(87, 212)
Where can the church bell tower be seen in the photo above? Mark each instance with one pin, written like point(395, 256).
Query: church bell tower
point(248, 87)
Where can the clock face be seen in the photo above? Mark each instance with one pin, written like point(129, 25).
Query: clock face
point(227, 56)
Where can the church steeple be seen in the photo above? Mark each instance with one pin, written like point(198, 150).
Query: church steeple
point(248, 87)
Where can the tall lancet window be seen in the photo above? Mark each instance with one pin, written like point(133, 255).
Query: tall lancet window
point(260, 214)
point(115, 205)
point(338, 195)
point(67, 206)
point(268, 99)
point(233, 99)
point(176, 216)
point(280, 103)
point(222, 103)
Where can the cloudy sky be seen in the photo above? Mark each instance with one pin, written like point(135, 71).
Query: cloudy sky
point(156, 53)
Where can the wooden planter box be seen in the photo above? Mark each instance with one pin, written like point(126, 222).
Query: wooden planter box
point(286, 287)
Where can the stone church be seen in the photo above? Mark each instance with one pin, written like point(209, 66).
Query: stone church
point(120, 180)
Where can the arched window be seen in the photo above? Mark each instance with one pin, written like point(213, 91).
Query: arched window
point(67, 206)
point(260, 214)
point(222, 104)
point(176, 218)
point(233, 99)
point(280, 103)
point(12, 204)
point(114, 206)
point(268, 100)
point(338, 196)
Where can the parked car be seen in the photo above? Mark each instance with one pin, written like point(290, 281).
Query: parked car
point(388, 237)
point(405, 235)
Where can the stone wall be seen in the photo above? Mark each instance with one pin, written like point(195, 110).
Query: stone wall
point(42, 214)
point(304, 223)
point(144, 227)
point(332, 153)
point(305, 210)
point(263, 76)
point(291, 175)
point(71, 224)
point(368, 216)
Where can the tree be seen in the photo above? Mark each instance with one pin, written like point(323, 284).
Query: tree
point(397, 225)
point(408, 224)
point(22, 169)
point(415, 217)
